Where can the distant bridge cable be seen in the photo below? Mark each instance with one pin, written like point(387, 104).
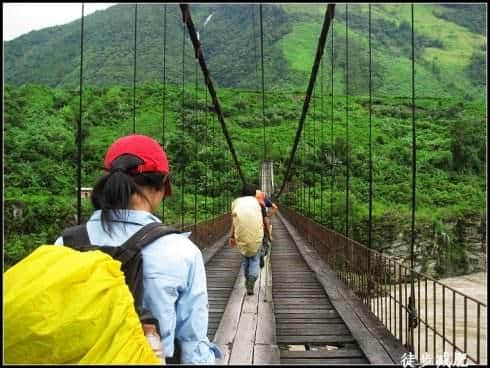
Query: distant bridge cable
point(196, 123)
point(370, 139)
point(182, 184)
point(315, 123)
point(332, 153)
point(413, 322)
point(79, 128)
point(134, 66)
point(255, 52)
point(329, 14)
point(164, 92)
point(322, 74)
point(263, 84)
point(370, 221)
point(346, 120)
point(186, 15)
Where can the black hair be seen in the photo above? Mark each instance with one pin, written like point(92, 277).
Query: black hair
point(113, 191)
point(249, 190)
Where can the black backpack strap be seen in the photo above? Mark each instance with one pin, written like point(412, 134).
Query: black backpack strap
point(144, 236)
point(129, 254)
point(76, 236)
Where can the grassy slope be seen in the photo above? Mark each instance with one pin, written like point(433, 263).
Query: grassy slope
point(299, 48)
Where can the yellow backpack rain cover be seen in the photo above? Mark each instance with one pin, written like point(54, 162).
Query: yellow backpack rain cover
point(65, 306)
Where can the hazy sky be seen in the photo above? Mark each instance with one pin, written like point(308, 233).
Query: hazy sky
point(20, 18)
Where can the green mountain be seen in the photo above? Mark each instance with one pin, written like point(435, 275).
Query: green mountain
point(42, 112)
point(450, 47)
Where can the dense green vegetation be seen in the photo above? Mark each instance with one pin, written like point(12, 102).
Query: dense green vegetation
point(41, 114)
point(471, 16)
point(40, 161)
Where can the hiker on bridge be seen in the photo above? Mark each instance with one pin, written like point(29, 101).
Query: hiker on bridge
point(268, 209)
point(247, 232)
point(174, 278)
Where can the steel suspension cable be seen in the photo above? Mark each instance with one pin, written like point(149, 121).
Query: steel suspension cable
point(221, 196)
point(79, 127)
point(196, 124)
point(263, 89)
point(346, 120)
point(311, 151)
point(186, 15)
point(254, 16)
point(206, 143)
point(370, 223)
point(370, 228)
point(332, 151)
point(213, 178)
point(182, 183)
point(322, 75)
point(414, 148)
point(303, 199)
point(314, 146)
point(134, 67)
point(303, 143)
point(164, 86)
point(329, 14)
point(305, 203)
point(411, 302)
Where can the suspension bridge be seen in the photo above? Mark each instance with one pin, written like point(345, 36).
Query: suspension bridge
point(321, 298)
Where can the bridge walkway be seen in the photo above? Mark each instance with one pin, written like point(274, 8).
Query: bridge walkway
point(300, 312)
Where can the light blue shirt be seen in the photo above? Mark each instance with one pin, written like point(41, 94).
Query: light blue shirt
point(174, 281)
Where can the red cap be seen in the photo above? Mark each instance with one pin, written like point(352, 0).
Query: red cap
point(147, 149)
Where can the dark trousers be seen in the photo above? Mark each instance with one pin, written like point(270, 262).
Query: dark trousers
point(176, 358)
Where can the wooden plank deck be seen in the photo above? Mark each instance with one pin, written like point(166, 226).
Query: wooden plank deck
point(307, 316)
point(309, 329)
point(222, 267)
point(246, 332)
point(373, 339)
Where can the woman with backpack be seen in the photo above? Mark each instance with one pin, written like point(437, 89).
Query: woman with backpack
point(174, 278)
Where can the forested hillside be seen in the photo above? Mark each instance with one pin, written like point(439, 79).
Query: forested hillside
point(40, 160)
point(449, 41)
point(42, 112)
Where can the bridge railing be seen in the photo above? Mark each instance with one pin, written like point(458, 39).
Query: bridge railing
point(207, 232)
point(447, 324)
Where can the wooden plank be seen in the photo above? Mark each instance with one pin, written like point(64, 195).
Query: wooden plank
point(266, 354)
point(299, 306)
point(308, 320)
point(225, 334)
point(312, 326)
point(334, 329)
point(346, 361)
point(216, 310)
point(225, 352)
point(243, 345)
point(298, 301)
point(218, 298)
point(219, 288)
point(251, 301)
point(353, 315)
point(266, 324)
point(309, 354)
point(324, 339)
point(209, 252)
point(316, 312)
point(296, 295)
